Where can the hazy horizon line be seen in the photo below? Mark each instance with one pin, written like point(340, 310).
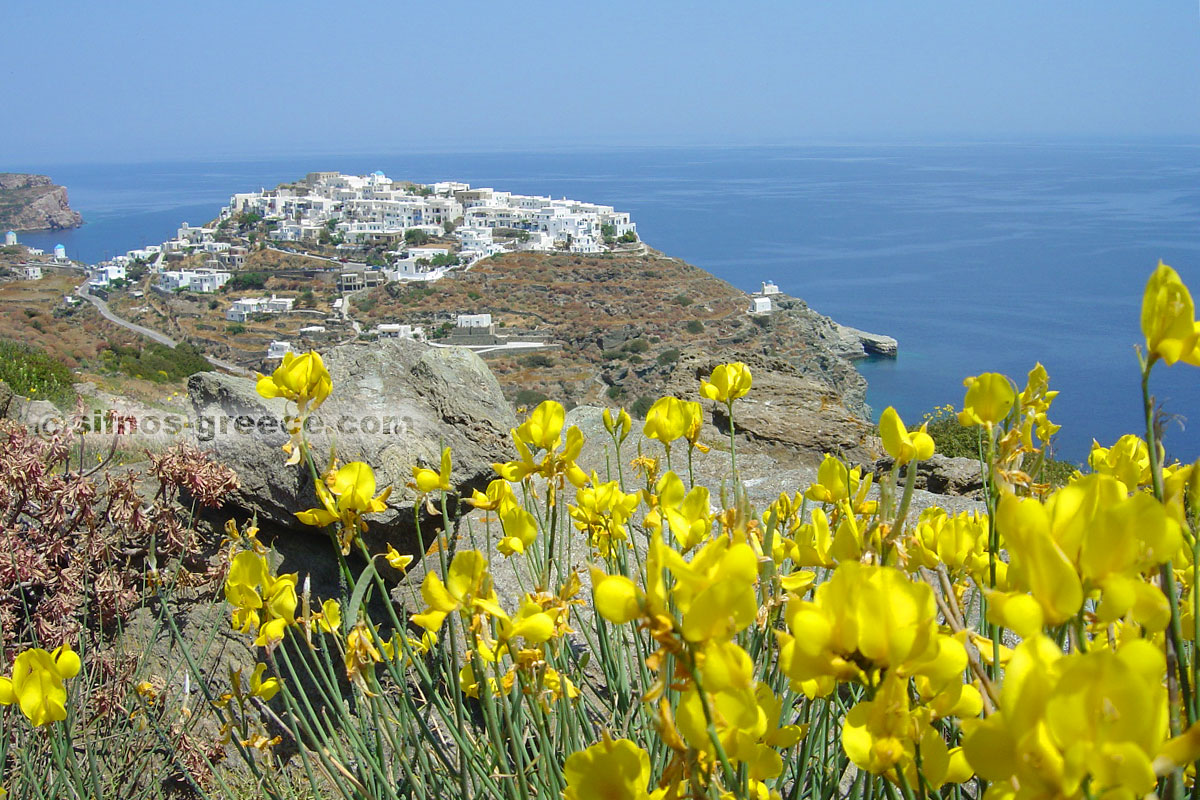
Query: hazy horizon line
point(1031, 140)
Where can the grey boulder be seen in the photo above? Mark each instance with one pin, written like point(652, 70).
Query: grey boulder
point(395, 404)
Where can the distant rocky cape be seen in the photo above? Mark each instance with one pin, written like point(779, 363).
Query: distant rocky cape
point(34, 203)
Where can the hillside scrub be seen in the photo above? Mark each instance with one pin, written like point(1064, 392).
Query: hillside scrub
point(636, 635)
point(33, 373)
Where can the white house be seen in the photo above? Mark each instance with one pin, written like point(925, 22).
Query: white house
point(31, 272)
point(243, 309)
point(197, 280)
point(760, 305)
point(101, 275)
point(392, 330)
point(277, 350)
point(194, 236)
point(474, 320)
point(769, 287)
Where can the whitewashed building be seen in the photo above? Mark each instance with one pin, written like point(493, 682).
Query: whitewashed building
point(474, 321)
point(394, 330)
point(243, 309)
point(10, 238)
point(31, 272)
point(197, 280)
point(277, 350)
point(760, 305)
point(102, 275)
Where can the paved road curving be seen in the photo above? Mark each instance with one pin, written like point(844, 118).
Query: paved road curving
point(161, 338)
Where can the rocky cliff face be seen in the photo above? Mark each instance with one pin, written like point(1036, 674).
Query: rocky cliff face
point(34, 203)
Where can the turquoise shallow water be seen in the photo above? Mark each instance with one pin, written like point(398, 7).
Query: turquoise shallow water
point(977, 258)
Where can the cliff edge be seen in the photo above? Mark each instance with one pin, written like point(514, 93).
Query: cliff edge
point(34, 203)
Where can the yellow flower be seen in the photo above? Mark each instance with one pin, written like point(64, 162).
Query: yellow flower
point(837, 481)
point(36, 684)
point(863, 617)
point(520, 530)
point(330, 618)
point(302, 379)
point(260, 688)
point(989, 398)
point(727, 383)
point(1169, 318)
point(899, 443)
point(1039, 558)
point(686, 513)
point(542, 431)
point(694, 414)
point(427, 480)
point(498, 495)
point(397, 561)
point(878, 734)
point(1128, 461)
point(349, 497)
point(617, 598)
point(618, 427)
point(466, 581)
point(715, 590)
point(262, 601)
point(667, 420)
point(1101, 714)
point(361, 654)
point(543, 428)
point(602, 510)
point(607, 770)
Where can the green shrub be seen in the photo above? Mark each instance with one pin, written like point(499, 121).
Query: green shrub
point(615, 392)
point(641, 406)
point(248, 280)
point(34, 373)
point(694, 326)
point(157, 361)
point(538, 360)
point(668, 356)
point(530, 397)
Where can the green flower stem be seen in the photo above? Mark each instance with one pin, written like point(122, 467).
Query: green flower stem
point(910, 482)
point(732, 440)
point(1178, 670)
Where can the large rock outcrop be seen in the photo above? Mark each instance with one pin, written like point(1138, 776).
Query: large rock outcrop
point(788, 411)
point(34, 203)
point(395, 404)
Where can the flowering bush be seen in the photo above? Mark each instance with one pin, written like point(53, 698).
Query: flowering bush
point(662, 646)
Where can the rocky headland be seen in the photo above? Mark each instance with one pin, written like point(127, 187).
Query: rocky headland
point(34, 203)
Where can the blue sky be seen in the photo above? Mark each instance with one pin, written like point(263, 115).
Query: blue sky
point(134, 80)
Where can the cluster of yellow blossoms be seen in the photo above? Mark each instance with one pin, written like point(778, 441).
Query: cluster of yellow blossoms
point(1045, 648)
point(36, 683)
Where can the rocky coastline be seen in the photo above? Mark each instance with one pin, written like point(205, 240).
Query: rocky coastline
point(34, 203)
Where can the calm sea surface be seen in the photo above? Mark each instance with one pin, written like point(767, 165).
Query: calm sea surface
point(975, 257)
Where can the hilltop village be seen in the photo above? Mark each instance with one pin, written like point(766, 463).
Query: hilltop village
point(340, 234)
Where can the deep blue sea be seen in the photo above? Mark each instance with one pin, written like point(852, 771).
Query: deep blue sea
point(979, 257)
